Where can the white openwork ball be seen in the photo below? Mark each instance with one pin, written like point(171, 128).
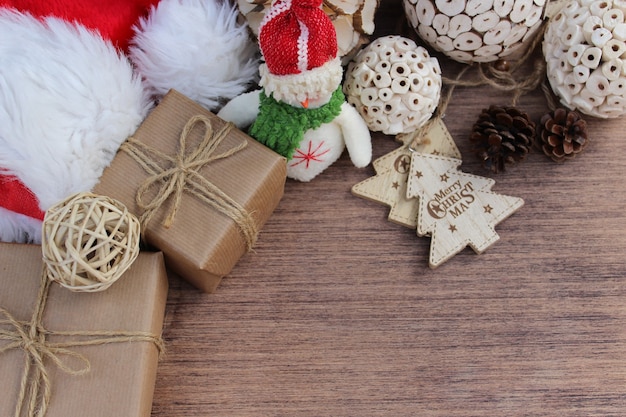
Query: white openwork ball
point(475, 30)
point(585, 47)
point(394, 84)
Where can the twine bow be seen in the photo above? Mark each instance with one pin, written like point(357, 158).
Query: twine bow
point(182, 175)
point(31, 337)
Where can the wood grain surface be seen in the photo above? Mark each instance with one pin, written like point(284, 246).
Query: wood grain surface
point(336, 312)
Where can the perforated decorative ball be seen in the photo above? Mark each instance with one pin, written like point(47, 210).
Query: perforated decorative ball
point(88, 242)
point(394, 84)
point(475, 30)
point(584, 47)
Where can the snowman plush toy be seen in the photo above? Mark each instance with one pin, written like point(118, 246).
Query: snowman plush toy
point(300, 112)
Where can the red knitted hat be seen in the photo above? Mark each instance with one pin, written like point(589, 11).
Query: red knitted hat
point(296, 36)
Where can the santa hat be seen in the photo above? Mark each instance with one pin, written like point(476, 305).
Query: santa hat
point(20, 206)
point(67, 102)
point(69, 97)
point(299, 45)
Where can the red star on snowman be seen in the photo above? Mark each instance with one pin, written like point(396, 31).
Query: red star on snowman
point(311, 155)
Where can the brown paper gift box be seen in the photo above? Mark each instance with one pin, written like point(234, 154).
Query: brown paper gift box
point(201, 245)
point(121, 376)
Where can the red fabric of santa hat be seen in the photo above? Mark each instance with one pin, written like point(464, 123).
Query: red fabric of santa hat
point(114, 19)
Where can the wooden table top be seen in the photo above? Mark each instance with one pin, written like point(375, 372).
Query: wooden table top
point(337, 313)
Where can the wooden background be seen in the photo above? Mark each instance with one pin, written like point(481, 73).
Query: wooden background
point(337, 313)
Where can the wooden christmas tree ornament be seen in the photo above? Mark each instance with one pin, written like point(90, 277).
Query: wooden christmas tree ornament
point(455, 208)
point(389, 184)
point(88, 242)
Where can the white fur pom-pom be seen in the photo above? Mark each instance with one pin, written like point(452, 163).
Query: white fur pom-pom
point(196, 47)
point(68, 99)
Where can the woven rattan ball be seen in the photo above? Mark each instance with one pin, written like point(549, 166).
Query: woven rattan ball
point(475, 30)
point(394, 84)
point(585, 51)
point(88, 241)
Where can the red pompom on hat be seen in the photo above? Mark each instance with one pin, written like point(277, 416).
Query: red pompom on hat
point(296, 36)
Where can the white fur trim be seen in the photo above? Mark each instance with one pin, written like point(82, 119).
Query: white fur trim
point(68, 99)
point(196, 47)
point(297, 87)
point(15, 227)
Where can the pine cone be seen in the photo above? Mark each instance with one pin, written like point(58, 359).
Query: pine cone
point(563, 134)
point(502, 135)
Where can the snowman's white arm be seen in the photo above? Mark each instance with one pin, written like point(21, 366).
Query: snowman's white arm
point(356, 135)
point(241, 110)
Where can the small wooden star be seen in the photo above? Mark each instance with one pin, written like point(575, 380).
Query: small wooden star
point(404, 165)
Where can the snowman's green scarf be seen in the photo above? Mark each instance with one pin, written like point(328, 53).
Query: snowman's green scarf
point(281, 127)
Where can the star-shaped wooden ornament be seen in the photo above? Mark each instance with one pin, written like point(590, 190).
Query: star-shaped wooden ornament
point(389, 185)
point(455, 208)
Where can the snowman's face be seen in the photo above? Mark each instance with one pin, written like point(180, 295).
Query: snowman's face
point(310, 89)
point(310, 100)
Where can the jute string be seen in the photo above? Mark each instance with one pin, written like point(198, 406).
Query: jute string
point(516, 80)
point(181, 175)
point(551, 100)
point(31, 337)
point(413, 139)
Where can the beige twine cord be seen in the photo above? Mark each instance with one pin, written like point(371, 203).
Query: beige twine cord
point(31, 337)
point(551, 100)
point(414, 139)
point(88, 242)
point(182, 176)
point(516, 80)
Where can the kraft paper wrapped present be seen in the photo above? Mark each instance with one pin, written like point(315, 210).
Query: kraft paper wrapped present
point(201, 188)
point(92, 354)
